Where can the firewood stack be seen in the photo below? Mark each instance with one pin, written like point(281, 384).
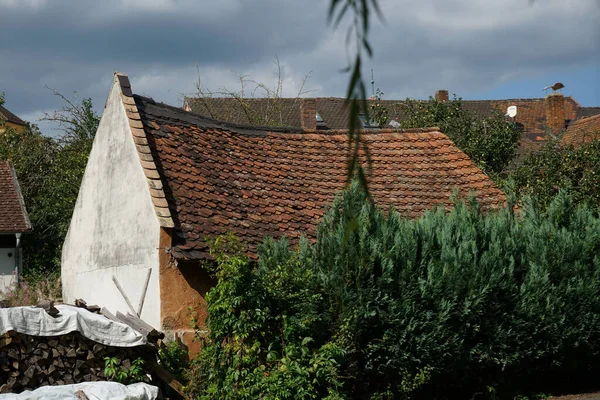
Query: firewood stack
point(28, 362)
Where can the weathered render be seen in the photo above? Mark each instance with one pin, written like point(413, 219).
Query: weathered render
point(114, 231)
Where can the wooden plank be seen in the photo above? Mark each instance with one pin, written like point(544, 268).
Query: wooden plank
point(123, 294)
point(133, 323)
point(109, 315)
point(167, 378)
point(143, 297)
point(142, 323)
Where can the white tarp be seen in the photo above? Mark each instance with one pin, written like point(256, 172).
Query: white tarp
point(93, 391)
point(37, 322)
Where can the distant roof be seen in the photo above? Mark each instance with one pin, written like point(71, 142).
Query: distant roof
point(583, 131)
point(10, 117)
point(13, 215)
point(584, 112)
point(531, 113)
point(255, 182)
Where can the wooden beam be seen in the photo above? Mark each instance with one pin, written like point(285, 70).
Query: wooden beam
point(123, 294)
point(167, 378)
point(143, 297)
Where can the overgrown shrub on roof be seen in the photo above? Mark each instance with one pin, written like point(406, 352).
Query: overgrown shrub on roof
point(382, 307)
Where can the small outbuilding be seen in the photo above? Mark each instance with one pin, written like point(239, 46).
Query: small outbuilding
point(14, 222)
point(160, 180)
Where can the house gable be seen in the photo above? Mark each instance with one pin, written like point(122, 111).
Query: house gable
point(115, 230)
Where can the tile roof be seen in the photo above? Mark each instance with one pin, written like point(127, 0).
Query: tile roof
point(10, 117)
point(286, 111)
point(220, 177)
point(583, 131)
point(584, 112)
point(531, 113)
point(13, 215)
point(153, 177)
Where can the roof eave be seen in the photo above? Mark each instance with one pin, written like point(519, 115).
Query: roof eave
point(153, 178)
point(24, 212)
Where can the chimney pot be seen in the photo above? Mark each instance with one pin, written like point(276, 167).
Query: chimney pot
point(441, 95)
point(308, 114)
point(555, 112)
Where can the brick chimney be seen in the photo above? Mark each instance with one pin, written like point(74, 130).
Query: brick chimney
point(555, 112)
point(441, 95)
point(308, 114)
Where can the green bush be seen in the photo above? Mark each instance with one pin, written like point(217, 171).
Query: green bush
point(557, 166)
point(491, 141)
point(383, 307)
point(175, 359)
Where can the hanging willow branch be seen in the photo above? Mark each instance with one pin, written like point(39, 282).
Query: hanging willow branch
point(356, 96)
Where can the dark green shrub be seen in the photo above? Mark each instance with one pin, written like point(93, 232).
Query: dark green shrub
point(447, 306)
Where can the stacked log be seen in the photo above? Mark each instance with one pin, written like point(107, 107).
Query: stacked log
point(28, 362)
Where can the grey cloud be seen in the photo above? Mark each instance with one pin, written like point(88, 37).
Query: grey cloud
point(457, 44)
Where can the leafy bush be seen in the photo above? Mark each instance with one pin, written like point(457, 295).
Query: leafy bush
point(175, 359)
point(556, 165)
point(50, 170)
point(491, 142)
point(114, 371)
point(447, 306)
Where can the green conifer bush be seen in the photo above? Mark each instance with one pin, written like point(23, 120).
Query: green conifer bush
point(383, 307)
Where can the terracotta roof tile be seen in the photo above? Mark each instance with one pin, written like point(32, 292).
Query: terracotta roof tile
point(220, 177)
point(583, 131)
point(13, 215)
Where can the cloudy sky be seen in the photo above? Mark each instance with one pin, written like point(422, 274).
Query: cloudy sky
point(476, 49)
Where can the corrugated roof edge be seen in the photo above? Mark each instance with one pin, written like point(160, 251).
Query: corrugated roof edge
point(138, 133)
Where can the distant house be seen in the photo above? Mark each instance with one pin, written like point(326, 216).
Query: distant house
point(160, 180)
point(583, 131)
point(536, 117)
point(8, 119)
point(14, 221)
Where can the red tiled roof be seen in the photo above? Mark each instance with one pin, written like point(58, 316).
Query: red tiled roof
point(13, 216)
point(583, 131)
point(255, 182)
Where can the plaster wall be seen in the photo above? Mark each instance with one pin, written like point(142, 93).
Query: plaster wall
point(114, 230)
point(8, 270)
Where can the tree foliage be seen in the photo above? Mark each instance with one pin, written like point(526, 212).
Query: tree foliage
point(447, 306)
point(50, 170)
point(491, 142)
point(557, 166)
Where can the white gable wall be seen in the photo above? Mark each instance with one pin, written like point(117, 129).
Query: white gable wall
point(114, 229)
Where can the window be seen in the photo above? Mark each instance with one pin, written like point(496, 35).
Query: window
point(367, 124)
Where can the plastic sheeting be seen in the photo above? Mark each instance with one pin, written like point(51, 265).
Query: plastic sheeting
point(37, 322)
point(93, 391)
